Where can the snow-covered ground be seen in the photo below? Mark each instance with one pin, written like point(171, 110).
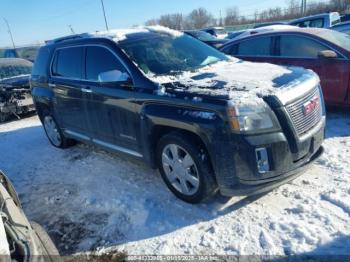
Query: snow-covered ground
point(88, 199)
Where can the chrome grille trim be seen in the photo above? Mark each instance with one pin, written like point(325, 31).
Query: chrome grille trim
point(304, 123)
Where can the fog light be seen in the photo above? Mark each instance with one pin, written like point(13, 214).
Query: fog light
point(262, 160)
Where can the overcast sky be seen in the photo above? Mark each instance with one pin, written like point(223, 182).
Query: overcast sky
point(32, 21)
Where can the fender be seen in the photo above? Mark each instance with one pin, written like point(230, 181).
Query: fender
point(207, 125)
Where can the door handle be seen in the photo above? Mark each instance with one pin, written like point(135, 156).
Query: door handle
point(86, 90)
point(52, 85)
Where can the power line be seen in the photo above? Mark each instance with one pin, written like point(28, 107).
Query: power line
point(10, 33)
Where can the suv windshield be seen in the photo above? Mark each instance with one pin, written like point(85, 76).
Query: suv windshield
point(165, 54)
point(14, 67)
point(340, 39)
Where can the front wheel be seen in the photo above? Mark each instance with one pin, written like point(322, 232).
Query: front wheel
point(185, 168)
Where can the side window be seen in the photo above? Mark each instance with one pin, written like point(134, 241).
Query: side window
point(319, 22)
point(100, 60)
point(259, 46)
point(231, 49)
point(298, 46)
point(68, 62)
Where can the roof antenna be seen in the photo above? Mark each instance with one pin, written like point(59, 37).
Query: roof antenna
point(71, 29)
point(104, 14)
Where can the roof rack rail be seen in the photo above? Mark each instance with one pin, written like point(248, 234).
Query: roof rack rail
point(70, 37)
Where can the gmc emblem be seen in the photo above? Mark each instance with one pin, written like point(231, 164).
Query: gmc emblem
point(310, 106)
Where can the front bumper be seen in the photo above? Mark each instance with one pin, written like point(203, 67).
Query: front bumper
point(237, 171)
point(245, 188)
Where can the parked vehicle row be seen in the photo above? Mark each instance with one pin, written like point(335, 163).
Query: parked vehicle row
point(207, 121)
point(324, 51)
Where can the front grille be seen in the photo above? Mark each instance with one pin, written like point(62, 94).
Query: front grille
point(304, 123)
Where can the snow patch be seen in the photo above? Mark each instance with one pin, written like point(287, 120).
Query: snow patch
point(88, 199)
point(121, 34)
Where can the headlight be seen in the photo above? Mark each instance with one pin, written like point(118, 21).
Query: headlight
point(252, 117)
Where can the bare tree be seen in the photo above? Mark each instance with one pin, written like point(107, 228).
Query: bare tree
point(199, 18)
point(151, 22)
point(174, 21)
point(232, 16)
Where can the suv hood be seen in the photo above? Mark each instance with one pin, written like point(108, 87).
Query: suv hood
point(236, 79)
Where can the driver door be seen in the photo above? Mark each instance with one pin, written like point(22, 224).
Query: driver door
point(110, 109)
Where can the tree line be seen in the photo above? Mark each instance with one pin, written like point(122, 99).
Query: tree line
point(201, 17)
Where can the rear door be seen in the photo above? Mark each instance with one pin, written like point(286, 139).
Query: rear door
point(66, 82)
point(110, 107)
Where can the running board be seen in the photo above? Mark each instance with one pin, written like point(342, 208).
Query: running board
point(104, 144)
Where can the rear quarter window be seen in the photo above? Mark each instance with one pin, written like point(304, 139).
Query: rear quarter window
point(40, 67)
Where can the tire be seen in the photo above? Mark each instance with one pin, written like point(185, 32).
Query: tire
point(54, 132)
point(189, 174)
point(46, 241)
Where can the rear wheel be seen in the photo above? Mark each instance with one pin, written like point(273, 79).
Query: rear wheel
point(185, 168)
point(54, 133)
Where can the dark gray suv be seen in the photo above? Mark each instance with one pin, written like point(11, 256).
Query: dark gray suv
point(208, 121)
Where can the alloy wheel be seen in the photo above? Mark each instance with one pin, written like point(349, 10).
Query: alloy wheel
point(180, 169)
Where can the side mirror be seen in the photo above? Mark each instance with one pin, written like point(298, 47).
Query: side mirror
point(113, 76)
point(327, 54)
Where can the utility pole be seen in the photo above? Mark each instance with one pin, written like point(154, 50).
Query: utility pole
point(104, 14)
point(9, 31)
point(303, 7)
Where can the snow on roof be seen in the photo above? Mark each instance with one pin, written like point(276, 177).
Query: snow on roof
point(264, 29)
point(121, 34)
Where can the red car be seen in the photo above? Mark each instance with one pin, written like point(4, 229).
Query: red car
point(324, 51)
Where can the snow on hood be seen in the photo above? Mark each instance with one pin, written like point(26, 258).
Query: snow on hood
point(236, 79)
